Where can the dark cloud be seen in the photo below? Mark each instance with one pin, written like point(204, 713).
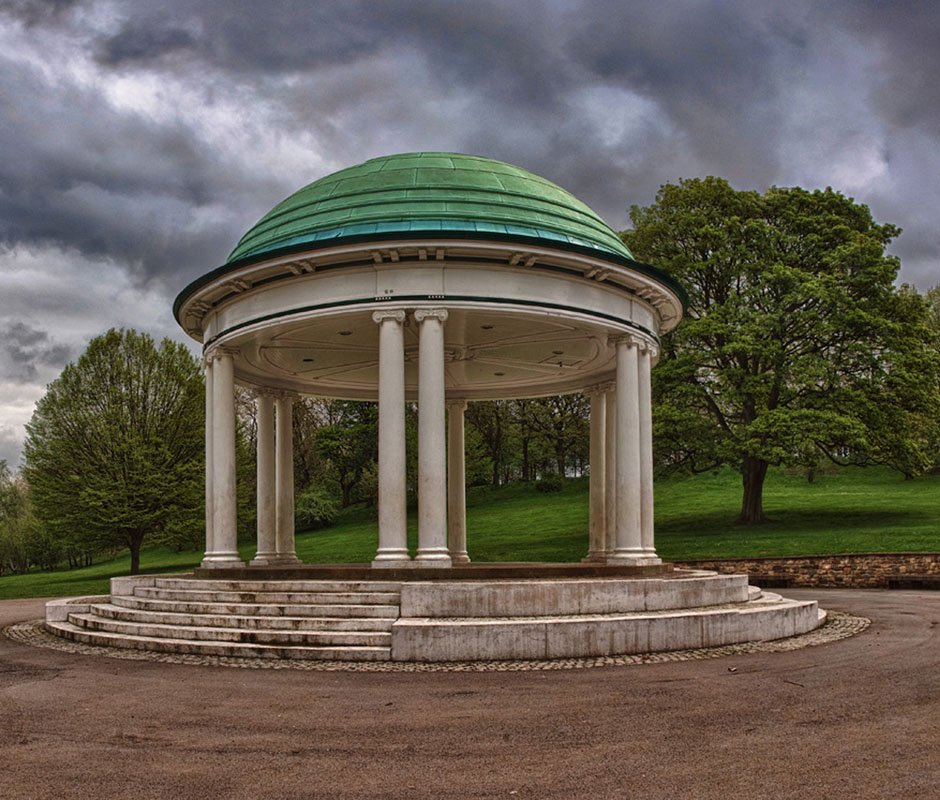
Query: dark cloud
point(608, 99)
point(242, 37)
point(24, 350)
point(137, 42)
point(904, 38)
point(86, 177)
point(38, 12)
point(713, 69)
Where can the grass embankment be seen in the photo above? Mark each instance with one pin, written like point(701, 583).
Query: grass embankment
point(853, 510)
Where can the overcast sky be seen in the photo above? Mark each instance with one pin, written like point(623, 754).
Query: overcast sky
point(138, 140)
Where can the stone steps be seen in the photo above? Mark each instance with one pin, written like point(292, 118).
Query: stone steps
point(259, 609)
point(91, 621)
point(334, 620)
point(191, 584)
point(270, 597)
point(248, 621)
point(194, 647)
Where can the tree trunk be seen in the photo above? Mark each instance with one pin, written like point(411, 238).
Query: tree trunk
point(753, 471)
point(135, 556)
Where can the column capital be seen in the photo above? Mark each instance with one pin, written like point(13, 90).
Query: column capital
point(628, 339)
point(217, 351)
point(456, 405)
point(642, 343)
point(431, 313)
point(257, 392)
point(390, 315)
point(599, 388)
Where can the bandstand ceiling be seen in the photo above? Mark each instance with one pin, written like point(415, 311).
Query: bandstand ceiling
point(488, 355)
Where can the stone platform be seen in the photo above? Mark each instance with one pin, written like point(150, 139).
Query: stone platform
point(479, 612)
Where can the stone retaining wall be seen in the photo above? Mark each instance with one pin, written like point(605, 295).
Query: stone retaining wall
point(856, 570)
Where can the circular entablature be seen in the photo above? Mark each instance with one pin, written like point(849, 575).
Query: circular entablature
point(489, 353)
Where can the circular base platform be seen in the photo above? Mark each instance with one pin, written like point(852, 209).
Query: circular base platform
point(469, 615)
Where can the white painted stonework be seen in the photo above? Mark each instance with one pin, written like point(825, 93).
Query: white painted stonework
point(441, 323)
point(430, 621)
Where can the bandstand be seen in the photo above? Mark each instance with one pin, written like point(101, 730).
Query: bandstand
point(439, 279)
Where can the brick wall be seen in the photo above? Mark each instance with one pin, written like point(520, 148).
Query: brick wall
point(856, 570)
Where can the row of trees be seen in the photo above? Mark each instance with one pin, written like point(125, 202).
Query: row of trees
point(797, 346)
point(336, 442)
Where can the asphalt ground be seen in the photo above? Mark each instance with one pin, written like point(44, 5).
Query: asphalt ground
point(858, 718)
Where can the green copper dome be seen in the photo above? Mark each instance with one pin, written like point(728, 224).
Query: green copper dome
point(416, 194)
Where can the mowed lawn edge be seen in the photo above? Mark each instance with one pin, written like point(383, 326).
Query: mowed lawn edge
point(868, 510)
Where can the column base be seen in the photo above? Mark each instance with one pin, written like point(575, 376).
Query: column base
point(264, 560)
point(221, 561)
point(287, 559)
point(595, 558)
point(392, 554)
point(634, 559)
point(460, 558)
point(392, 563)
point(433, 558)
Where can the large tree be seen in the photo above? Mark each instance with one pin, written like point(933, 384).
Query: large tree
point(115, 449)
point(796, 340)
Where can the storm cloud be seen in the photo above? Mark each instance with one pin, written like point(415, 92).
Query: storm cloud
point(23, 349)
point(140, 139)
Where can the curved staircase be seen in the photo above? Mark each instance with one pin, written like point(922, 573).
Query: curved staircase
point(421, 620)
point(346, 621)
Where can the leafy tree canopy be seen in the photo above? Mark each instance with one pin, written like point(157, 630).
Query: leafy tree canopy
point(115, 449)
point(796, 341)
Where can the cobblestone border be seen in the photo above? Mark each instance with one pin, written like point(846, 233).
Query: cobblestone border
point(838, 625)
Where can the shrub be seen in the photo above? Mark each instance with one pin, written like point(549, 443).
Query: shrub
point(550, 483)
point(314, 508)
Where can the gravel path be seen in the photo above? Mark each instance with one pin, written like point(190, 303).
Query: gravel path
point(858, 718)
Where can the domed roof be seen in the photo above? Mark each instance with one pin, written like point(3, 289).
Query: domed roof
point(417, 194)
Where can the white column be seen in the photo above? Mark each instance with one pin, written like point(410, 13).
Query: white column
point(629, 548)
point(610, 472)
point(210, 546)
point(432, 462)
point(456, 483)
point(646, 453)
point(284, 478)
point(224, 519)
point(597, 503)
point(267, 508)
point(393, 519)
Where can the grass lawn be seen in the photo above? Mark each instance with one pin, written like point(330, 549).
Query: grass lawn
point(853, 510)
